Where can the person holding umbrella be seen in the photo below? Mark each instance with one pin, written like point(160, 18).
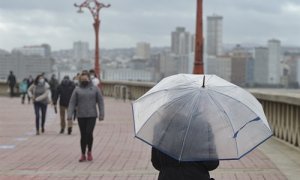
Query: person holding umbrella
point(85, 98)
point(172, 169)
point(193, 121)
point(170, 133)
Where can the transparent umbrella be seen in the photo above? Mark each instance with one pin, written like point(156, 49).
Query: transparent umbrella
point(200, 118)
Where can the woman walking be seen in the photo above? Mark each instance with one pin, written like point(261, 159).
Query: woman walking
point(39, 92)
point(85, 98)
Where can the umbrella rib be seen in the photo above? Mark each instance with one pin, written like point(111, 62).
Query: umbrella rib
point(171, 89)
point(209, 78)
point(164, 105)
point(185, 136)
point(171, 118)
point(236, 100)
point(222, 109)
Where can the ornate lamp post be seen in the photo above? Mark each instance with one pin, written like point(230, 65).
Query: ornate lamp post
point(94, 7)
point(198, 63)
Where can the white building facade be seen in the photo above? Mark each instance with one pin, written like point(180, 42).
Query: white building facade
point(214, 36)
point(274, 64)
point(143, 50)
point(81, 51)
point(220, 66)
point(181, 42)
point(43, 50)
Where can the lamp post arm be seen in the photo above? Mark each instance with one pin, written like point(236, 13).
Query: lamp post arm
point(93, 9)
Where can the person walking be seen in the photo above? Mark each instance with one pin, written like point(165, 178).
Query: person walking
point(172, 169)
point(23, 87)
point(39, 92)
point(86, 98)
point(53, 86)
point(63, 93)
point(95, 80)
point(29, 83)
point(11, 81)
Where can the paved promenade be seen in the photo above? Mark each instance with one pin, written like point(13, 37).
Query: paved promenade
point(117, 154)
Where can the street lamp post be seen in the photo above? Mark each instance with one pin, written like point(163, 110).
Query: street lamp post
point(198, 63)
point(94, 7)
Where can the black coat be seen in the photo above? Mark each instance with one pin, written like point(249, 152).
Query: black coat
point(11, 80)
point(172, 169)
point(64, 92)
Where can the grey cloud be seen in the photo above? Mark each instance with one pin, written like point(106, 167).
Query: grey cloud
point(129, 21)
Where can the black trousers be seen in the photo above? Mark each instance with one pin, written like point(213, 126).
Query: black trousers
point(12, 90)
point(38, 106)
point(24, 94)
point(86, 127)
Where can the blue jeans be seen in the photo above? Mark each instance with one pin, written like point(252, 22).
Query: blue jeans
point(38, 106)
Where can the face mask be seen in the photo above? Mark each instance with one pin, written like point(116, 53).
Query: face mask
point(92, 76)
point(84, 83)
point(41, 81)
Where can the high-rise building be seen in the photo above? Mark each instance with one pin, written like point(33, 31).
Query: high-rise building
point(81, 50)
point(274, 59)
point(291, 70)
point(180, 42)
point(193, 43)
point(261, 69)
point(143, 50)
point(240, 58)
point(24, 65)
point(214, 35)
point(168, 66)
point(43, 50)
point(220, 66)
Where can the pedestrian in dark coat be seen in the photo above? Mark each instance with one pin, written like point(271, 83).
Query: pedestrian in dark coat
point(53, 86)
point(63, 93)
point(172, 169)
point(168, 136)
point(11, 81)
point(86, 98)
point(30, 81)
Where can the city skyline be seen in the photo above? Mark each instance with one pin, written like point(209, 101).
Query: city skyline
point(127, 22)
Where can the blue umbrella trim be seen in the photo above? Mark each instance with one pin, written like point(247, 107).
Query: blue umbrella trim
point(236, 133)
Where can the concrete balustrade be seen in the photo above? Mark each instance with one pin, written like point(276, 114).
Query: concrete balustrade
point(3, 89)
point(125, 90)
point(282, 107)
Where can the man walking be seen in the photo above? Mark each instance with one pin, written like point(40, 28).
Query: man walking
point(53, 86)
point(11, 81)
point(64, 92)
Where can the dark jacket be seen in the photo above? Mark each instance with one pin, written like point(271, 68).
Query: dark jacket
point(11, 80)
point(172, 169)
point(64, 93)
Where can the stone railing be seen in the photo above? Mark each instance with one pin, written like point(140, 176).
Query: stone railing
point(125, 90)
point(282, 107)
point(3, 89)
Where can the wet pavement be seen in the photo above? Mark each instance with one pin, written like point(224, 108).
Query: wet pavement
point(117, 154)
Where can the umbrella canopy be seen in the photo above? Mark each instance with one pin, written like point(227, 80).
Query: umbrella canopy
point(196, 117)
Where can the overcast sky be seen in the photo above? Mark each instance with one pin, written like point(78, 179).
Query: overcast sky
point(126, 22)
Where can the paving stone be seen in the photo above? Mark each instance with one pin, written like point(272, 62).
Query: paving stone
point(117, 154)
